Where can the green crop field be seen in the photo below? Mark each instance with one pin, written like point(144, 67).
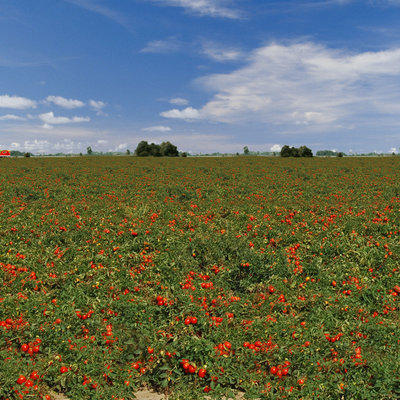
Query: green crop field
point(278, 278)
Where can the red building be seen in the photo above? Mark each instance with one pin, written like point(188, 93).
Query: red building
point(5, 153)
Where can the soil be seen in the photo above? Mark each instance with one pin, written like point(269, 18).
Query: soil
point(142, 394)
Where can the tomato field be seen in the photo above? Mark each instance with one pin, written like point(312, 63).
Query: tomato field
point(277, 278)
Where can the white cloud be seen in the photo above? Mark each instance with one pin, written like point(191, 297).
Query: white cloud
point(179, 101)
point(276, 147)
point(212, 8)
point(122, 146)
point(101, 141)
point(15, 145)
point(165, 46)
point(220, 53)
point(11, 117)
point(158, 128)
point(65, 103)
point(113, 15)
point(188, 113)
point(50, 119)
point(97, 105)
point(15, 102)
point(303, 85)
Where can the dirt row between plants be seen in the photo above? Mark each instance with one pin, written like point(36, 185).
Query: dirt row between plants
point(142, 394)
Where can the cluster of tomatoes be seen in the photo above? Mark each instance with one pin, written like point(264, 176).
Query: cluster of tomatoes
point(84, 316)
point(190, 321)
point(191, 368)
point(10, 323)
point(396, 291)
point(28, 382)
point(260, 347)
point(163, 301)
point(334, 338)
point(32, 347)
point(87, 381)
point(224, 349)
point(207, 285)
point(280, 370)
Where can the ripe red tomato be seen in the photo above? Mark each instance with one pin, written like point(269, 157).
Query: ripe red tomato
point(273, 370)
point(34, 375)
point(191, 369)
point(63, 370)
point(150, 350)
point(58, 321)
point(193, 320)
point(21, 379)
point(188, 321)
point(227, 345)
point(271, 289)
point(28, 383)
point(202, 372)
point(36, 349)
point(25, 347)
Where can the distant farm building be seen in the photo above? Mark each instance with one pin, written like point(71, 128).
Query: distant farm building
point(5, 153)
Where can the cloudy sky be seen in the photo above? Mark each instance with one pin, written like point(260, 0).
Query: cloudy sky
point(207, 75)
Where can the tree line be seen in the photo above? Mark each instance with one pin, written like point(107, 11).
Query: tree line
point(165, 149)
point(302, 151)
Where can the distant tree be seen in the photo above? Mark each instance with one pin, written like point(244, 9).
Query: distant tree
point(81, 154)
point(304, 151)
point(27, 154)
point(128, 152)
point(246, 151)
point(294, 152)
point(167, 149)
point(184, 154)
point(155, 150)
point(143, 149)
point(340, 154)
point(286, 151)
point(89, 151)
point(326, 153)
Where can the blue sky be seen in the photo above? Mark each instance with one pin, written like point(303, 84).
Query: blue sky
point(207, 75)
